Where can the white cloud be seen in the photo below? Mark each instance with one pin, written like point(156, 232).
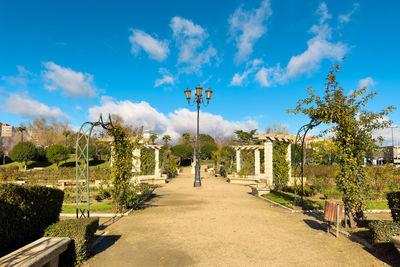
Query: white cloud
point(167, 78)
point(322, 11)
point(345, 18)
point(246, 27)
point(191, 40)
point(72, 83)
point(174, 124)
point(366, 82)
point(27, 107)
point(156, 49)
point(21, 79)
point(319, 48)
point(241, 79)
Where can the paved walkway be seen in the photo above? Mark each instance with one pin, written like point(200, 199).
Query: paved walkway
point(221, 224)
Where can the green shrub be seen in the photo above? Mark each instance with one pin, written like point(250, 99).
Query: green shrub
point(136, 193)
point(81, 231)
point(57, 153)
point(382, 231)
point(26, 211)
point(332, 193)
point(308, 191)
point(23, 152)
point(394, 205)
point(104, 193)
point(280, 165)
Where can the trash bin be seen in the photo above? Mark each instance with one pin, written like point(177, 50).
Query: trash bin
point(333, 213)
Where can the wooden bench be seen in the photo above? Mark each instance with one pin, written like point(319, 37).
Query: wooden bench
point(42, 252)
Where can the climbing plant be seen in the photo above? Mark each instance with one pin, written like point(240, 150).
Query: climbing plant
point(352, 127)
point(246, 162)
point(122, 162)
point(147, 161)
point(280, 164)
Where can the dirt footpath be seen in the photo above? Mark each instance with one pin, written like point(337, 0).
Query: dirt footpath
point(221, 224)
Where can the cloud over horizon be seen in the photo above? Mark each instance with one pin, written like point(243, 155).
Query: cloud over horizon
point(174, 123)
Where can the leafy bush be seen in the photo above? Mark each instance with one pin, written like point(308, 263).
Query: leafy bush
point(382, 231)
point(147, 161)
point(135, 194)
point(308, 191)
point(40, 154)
point(57, 153)
point(104, 193)
point(23, 152)
point(394, 205)
point(332, 193)
point(26, 211)
point(81, 231)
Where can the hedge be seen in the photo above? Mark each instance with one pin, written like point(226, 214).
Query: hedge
point(25, 212)
point(81, 231)
point(382, 231)
point(394, 205)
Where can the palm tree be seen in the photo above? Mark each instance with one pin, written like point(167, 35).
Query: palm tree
point(153, 138)
point(21, 129)
point(166, 138)
point(66, 134)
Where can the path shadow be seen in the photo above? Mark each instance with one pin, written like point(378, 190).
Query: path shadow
point(106, 242)
point(68, 164)
point(38, 164)
point(385, 252)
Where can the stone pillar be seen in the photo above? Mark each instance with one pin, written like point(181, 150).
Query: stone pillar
point(136, 160)
point(268, 167)
point(238, 167)
point(157, 158)
point(257, 162)
point(289, 159)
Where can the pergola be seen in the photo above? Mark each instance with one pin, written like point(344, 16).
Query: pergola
point(136, 156)
point(267, 140)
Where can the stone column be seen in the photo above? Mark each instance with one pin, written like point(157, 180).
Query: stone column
point(136, 160)
point(157, 158)
point(268, 167)
point(238, 168)
point(289, 159)
point(257, 162)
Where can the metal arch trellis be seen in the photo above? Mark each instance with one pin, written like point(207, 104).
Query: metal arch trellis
point(82, 163)
point(299, 149)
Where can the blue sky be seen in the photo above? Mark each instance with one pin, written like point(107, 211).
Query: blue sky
point(71, 60)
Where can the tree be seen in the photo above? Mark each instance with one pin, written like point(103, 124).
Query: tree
point(21, 129)
point(23, 152)
point(183, 152)
point(166, 138)
point(66, 134)
point(245, 138)
point(206, 139)
point(207, 149)
point(352, 127)
point(153, 138)
point(277, 128)
point(57, 153)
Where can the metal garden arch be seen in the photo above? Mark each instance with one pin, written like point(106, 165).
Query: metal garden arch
point(82, 163)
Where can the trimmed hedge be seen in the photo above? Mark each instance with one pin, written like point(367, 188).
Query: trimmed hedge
point(25, 212)
point(382, 231)
point(308, 191)
point(81, 231)
point(394, 205)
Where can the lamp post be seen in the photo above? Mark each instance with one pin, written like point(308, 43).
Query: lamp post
point(198, 99)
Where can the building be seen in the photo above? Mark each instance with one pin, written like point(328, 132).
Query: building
point(6, 130)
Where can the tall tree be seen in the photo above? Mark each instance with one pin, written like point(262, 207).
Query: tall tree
point(66, 134)
point(244, 138)
point(23, 152)
point(153, 138)
point(21, 129)
point(352, 127)
point(166, 138)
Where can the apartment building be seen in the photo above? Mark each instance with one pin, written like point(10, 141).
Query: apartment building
point(6, 130)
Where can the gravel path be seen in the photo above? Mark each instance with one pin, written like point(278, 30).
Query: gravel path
point(221, 224)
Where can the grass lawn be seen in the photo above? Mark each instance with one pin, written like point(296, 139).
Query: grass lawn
point(289, 201)
point(103, 207)
point(48, 165)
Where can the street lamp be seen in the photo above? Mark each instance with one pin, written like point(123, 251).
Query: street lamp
point(198, 99)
